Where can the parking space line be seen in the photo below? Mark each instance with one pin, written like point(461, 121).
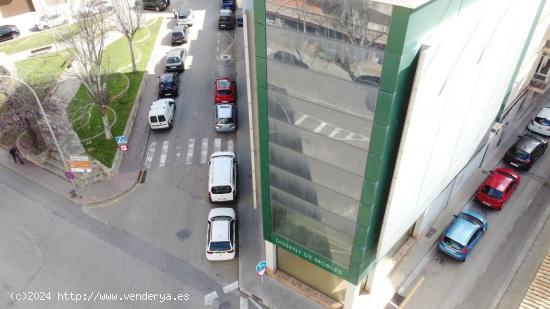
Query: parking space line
point(209, 298)
point(204, 150)
point(230, 287)
point(164, 153)
point(334, 132)
point(230, 146)
point(217, 144)
point(190, 151)
point(320, 127)
point(300, 120)
point(243, 303)
point(150, 154)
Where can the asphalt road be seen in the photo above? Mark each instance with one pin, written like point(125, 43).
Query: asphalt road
point(170, 209)
point(480, 281)
point(49, 245)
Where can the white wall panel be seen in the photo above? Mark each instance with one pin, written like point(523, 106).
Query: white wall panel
point(460, 85)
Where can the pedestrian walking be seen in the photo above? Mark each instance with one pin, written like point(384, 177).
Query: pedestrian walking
point(15, 155)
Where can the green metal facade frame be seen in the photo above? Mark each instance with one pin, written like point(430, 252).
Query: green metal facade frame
point(407, 29)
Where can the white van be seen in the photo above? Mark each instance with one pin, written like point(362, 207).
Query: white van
point(161, 114)
point(222, 177)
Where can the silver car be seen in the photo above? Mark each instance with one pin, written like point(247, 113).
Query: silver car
point(226, 117)
point(175, 60)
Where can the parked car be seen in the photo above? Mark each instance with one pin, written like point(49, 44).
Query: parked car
point(227, 19)
point(168, 85)
point(180, 34)
point(8, 32)
point(156, 5)
point(288, 58)
point(463, 233)
point(175, 60)
point(225, 117)
point(222, 177)
point(95, 7)
point(228, 4)
point(225, 90)
point(220, 234)
point(541, 123)
point(526, 151)
point(498, 187)
point(51, 21)
point(185, 17)
point(162, 113)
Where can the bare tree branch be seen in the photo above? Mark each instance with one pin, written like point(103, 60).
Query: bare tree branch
point(128, 21)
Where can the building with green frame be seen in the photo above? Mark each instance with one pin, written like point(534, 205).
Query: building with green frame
point(353, 101)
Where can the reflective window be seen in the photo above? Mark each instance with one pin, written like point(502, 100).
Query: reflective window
point(324, 64)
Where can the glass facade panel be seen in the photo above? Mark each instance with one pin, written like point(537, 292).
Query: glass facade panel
point(324, 60)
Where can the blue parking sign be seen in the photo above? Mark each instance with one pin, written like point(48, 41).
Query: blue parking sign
point(121, 139)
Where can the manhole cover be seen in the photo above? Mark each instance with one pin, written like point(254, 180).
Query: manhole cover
point(224, 305)
point(183, 234)
point(225, 57)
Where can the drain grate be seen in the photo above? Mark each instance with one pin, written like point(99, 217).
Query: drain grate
point(141, 176)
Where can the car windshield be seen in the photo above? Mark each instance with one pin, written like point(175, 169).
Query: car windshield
point(221, 189)
point(224, 18)
point(452, 244)
point(184, 14)
point(224, 91)
point(173, 60)
point(219, 246)
point(224, 120)
point(492, 192)
point(542, 121)
point(166, 85)
point(45, 18)
point(520, 154)
point(177, 34)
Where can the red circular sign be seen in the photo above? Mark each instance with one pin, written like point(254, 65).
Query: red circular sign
point(123, 147)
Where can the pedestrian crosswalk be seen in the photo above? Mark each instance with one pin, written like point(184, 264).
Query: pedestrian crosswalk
point(195, 151)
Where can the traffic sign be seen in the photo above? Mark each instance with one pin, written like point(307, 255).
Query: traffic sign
point(261, 267)
point(79, 158)
point(77, 164)
point(121, 139)
point(123, 147)
point(69, 175)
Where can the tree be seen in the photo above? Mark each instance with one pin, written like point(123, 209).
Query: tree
point(88, 42)
point(128, 21)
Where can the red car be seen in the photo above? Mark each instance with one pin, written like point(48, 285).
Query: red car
point(225, 90)
point(498, 187)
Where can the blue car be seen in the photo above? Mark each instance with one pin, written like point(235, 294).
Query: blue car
point(461, 236)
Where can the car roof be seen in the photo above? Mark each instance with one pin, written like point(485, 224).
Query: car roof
point(498, 180)
point(527, 143)
point(160, 104)
point(225, 110)
point(461, 230)
point(180, 28)
point(225, 12)
point(544, 112)
point(218, 162)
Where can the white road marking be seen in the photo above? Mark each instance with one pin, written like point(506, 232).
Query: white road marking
point(333, 133)
point(204, 150)
point(190, 151)
point(230, 146)
point(320, 127)
point(300, 120)
point(164, 153)
point(230, 287)
point(150, 154)
point(244, 303)
point(209, 298)
point(349, 136)
point(217, 144)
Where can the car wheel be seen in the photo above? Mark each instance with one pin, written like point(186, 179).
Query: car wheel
point(157, 9)
point(183, 68)
point(14, 35)
point(171, 124)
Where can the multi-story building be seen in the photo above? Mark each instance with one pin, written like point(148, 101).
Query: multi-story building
point(367, 114)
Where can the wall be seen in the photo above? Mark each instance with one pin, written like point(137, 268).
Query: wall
point(475, 47)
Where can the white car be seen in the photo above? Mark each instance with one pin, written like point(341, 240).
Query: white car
point(220, 239)
point(50, 21)
point(541, 123)
point(184, 17)
point(95, 7)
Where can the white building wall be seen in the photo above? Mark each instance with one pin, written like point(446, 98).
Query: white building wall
point(460, 86)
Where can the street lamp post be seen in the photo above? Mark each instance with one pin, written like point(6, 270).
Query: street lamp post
point(49, 127)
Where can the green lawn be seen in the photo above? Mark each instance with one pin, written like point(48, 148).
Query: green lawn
point(43, 70)
point(117, 56)
point(42, 38)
